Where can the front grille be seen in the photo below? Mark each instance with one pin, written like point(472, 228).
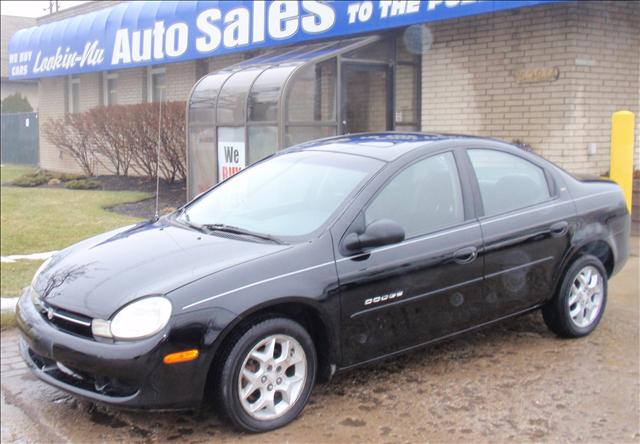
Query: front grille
point(65, 320)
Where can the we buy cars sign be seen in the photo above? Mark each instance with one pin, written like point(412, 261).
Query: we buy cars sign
point(231, 159)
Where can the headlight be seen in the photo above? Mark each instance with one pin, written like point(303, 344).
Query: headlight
point(142, 318)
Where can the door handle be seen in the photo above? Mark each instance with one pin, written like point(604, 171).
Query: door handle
point(559, 229)
point(465, 255)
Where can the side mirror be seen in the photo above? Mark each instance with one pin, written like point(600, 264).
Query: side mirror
point(377, 234)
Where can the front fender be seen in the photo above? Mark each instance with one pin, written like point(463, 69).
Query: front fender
point(200, 329)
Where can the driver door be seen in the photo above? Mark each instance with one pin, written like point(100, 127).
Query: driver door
point(405, 294)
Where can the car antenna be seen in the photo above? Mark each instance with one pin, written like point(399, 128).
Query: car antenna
point(157, 213)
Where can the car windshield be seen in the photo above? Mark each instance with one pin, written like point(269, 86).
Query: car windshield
point(291, 194)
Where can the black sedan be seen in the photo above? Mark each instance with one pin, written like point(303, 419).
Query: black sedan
point(320, 258)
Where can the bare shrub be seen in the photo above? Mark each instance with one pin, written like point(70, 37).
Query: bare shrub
point(173, 146)
point(109, 134)
point(144, 137)
point(172, 165)
point(124, 139)
point(70, 135)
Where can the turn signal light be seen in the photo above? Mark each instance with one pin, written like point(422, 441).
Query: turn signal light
point(183, 356)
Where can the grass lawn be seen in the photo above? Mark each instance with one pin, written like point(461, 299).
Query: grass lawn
point(36, 220)
point(16, 276)
point(9, 172)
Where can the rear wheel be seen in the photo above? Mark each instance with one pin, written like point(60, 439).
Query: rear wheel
point(579, 304)
point(268, 375)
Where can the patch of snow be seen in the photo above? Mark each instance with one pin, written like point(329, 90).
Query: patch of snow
point(27, 257)
point(8, 304)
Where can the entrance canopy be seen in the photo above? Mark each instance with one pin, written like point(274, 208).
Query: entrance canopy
point(248, 111)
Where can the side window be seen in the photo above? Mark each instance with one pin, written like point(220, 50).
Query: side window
point(422, 198)
point(507, 182)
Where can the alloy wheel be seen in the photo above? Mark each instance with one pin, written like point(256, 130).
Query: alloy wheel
point(586, 296)
point(272, 377)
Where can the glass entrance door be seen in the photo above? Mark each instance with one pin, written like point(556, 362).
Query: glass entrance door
point(366, 98)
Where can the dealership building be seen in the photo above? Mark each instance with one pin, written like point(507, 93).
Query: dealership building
point(260, 76)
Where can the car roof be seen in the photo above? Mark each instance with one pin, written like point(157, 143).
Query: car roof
point(386, 146)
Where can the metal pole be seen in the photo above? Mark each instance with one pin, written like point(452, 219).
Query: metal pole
point(157, 215)
point(621, 169)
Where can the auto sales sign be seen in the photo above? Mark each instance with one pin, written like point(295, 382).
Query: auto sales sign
point(132, 34)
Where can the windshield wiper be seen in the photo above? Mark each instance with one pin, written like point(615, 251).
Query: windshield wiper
point(242, 231)
point(183, 218)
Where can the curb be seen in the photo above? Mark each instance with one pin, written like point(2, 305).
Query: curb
point(8, 304)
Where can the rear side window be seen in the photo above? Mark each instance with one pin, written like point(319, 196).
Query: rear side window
point(507, 182)
point(424, 197)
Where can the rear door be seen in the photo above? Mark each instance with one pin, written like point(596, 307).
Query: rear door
point(526, 220)
point(429, 285)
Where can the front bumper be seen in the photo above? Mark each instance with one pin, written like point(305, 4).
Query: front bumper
point(128, 374)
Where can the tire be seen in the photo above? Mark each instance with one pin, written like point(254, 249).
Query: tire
point(578, 306)
point(287, 381)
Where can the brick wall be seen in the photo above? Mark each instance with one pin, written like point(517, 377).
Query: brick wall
point(52, 92)
point(180, 78)
point(90, 90)
point(218, 63)
point(470, 86)
point(131, 84)
point(608, 40)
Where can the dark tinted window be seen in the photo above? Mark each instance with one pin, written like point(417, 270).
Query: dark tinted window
point(507, 182)
point(424, 197)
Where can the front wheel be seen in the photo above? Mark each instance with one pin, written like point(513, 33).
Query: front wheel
point(268, 375)
point(579, 304)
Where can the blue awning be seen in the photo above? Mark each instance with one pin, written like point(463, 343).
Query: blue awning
point(143, 33)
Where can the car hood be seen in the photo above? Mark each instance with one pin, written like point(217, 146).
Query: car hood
point(98, 276)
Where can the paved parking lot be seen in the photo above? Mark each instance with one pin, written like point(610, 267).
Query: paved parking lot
point(515, 381)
